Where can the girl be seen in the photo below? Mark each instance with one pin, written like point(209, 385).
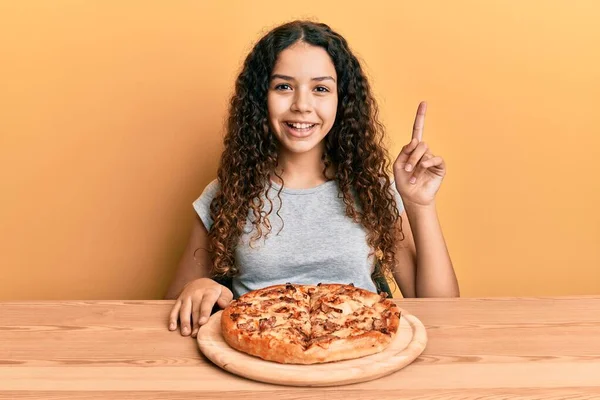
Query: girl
point(303, 193)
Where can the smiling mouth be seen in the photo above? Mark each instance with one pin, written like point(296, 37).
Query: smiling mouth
point(300, 127)
point(303, 127)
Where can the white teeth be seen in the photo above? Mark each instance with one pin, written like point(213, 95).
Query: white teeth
point(301, 126)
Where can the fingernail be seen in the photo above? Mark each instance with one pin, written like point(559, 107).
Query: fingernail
point(172, 326)
point(413, 180)
point(408, 168)
point(203, 320)
point(185, 330)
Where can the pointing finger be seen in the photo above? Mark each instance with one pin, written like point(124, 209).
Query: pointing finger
point(417, 132)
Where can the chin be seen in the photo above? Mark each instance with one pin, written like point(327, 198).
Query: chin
point(299, 148)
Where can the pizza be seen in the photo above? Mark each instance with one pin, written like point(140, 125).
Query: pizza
point(308, 324)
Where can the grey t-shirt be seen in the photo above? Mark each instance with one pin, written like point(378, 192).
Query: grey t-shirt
point(316, 242)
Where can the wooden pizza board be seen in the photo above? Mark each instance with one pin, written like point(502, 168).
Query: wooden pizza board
point(408, 344)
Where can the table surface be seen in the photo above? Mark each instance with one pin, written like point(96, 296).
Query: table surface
point(484, 348)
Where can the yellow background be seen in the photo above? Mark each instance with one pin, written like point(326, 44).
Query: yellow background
point(111, 117)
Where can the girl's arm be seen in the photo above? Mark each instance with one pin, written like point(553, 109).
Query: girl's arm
point(195, 293)
point(424, 266)
point(406, 260)
point(434, 275)
point(189, 268)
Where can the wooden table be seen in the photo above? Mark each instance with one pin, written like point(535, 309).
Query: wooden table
point(497, 348)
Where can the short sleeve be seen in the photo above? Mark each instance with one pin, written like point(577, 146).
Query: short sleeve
point(399, 203)
point(202, 203)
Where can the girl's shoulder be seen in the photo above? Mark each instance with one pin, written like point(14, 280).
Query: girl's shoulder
point(209, 192)
point(202, 203)
point(212, 188)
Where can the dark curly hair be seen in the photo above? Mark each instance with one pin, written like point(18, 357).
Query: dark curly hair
point(353, 146)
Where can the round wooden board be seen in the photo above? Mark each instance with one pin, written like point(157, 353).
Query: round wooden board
point(408, 344)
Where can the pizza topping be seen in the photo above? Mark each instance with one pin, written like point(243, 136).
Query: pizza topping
point(297, 331)
point(299, 315)
point(265, 323)
point(234, 316)
point(251, 312)
point(327, 309)
point(321, 340)
point(247, 326)
point(344, 290)
point(361, 312)
point(291, 287)
point(288, 300)
point(330, 326)
point(350, 322)
point(268, 303)
point(378, 324)
point(272, 292)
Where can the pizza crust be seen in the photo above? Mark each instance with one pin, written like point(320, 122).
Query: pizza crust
point(349, 348)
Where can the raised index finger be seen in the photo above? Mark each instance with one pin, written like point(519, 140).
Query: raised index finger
point(419, 121)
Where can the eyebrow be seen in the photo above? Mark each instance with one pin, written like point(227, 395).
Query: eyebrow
point(290, 78)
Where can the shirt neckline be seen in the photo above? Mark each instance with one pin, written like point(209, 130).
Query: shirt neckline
point(314, 189)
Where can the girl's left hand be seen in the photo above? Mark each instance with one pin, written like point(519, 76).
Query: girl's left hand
point(417, 172)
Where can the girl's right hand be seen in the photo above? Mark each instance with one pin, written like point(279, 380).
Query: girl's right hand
point(195, 303)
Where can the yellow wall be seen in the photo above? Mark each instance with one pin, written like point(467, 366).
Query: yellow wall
point(111, 118)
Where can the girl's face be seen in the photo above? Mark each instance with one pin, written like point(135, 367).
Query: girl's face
point(302, 98)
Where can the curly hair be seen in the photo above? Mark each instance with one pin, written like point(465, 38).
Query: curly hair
point(353, 145)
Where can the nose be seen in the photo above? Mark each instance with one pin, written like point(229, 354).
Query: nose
point(302, 102)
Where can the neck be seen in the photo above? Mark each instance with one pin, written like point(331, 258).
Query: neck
point(301, 171)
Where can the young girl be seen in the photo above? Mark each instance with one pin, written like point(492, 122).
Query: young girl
point(303, 193)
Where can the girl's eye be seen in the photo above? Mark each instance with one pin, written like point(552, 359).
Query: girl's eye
point(322, 89)
point(282, 86)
